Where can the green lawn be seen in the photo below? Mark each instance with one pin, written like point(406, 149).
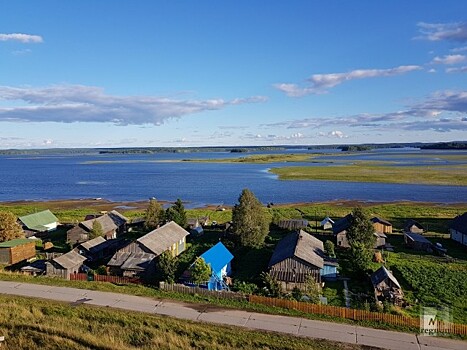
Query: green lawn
point(33, 324)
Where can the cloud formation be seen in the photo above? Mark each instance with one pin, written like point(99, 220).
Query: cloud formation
point(441, 111)
point(457, 70)
point(449, 59)
point(443, 31)
point(78, 103)
point(23, 38)
point(320, 83)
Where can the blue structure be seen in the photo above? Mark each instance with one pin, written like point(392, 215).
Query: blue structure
point(219, 258)
point(329, 271)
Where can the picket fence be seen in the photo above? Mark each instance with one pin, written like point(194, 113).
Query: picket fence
point(180, 288)
point(104, 278)
point(355, 314)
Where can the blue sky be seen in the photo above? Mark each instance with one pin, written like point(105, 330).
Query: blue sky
point(201, 73)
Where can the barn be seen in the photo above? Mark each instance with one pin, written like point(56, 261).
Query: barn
point(65, 265)
point(17, 250)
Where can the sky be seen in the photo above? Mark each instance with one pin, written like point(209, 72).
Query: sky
point(228, 73)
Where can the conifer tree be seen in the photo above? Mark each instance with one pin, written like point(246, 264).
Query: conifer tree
point(154, 215)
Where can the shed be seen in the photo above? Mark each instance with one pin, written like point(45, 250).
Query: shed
point(381, 225)
point(17, 250)
point(34, 269)
point(327, 223)
point(386, 286)
point(293, 224)
point(297, 256)
point(41, 222)
point(417, 242)
point(219, 258)
point(458, 229)
point(412, 226)
point(340, 228)
point(197, 231)
point(192, 223)
point(65, 265)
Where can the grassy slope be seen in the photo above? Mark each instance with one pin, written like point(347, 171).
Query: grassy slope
point(34, 324)
point(366, 172)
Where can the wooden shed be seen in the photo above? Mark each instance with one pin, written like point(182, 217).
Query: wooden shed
point(413, 226)
point(386, 286)
point(381, 225)
point(418, 242)
point(65, 265)
point(17, 250)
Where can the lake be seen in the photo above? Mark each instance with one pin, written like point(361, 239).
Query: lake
point(139, 177)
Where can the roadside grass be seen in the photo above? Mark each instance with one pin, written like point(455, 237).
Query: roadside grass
point(453, 175)
point(39, 324)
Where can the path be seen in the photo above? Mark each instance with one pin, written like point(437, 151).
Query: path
point(290, 325)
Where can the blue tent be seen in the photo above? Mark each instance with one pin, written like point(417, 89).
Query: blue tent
point(219, 258)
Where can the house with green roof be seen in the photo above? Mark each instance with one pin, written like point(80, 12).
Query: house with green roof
point(43, 221)
point(17, 250)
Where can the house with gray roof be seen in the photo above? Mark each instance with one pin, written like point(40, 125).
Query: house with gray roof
point(65, 265)
point(38, 223)
point(141, 254)
point(458, 229)
point(418, 242)
point(297, 256)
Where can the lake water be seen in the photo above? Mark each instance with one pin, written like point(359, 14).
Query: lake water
point(139, 177)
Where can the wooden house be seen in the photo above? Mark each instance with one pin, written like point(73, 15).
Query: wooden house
point(341, 226)
point(296, 257)
point(417, 242)
point(192, 223)
point(412, 226)
point(327, 223)
point(65, 265)
point(386, 286)
point(293, 224)
point(97, 248)
point(458, 229)
point(17, 250)
point(381, 225)
point(113, 224)
point(138, 257)
point(38, 224)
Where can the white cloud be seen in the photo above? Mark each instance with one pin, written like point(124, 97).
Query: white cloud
point(23, 38)
point(457, 70)
point(432, 70)
point(449, 59)
point(459, 49)
point(78, 103)
point(443, 31)
point(319, 83)
point(336, 133)
point(441, 111)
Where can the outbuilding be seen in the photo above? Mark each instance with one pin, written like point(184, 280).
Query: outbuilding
point(219, 258)
point(17, 250)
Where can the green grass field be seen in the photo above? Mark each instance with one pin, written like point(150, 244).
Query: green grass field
point(39, 324)
point(454, 175)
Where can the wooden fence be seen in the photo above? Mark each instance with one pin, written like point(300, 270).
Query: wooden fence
point(180, 288)
point(104, 278)
point(354, 314)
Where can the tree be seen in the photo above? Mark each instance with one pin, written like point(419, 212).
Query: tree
point(272, 286)
point(249, 220)
point(9, 227)
point(361, 229)
point(166, 267)
point(96, 230)
point(200, 271)
point(154, 215)
point(176, 213)
point(361, 239)
point(360, 257)
point(329, 248)
point(313, 289)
